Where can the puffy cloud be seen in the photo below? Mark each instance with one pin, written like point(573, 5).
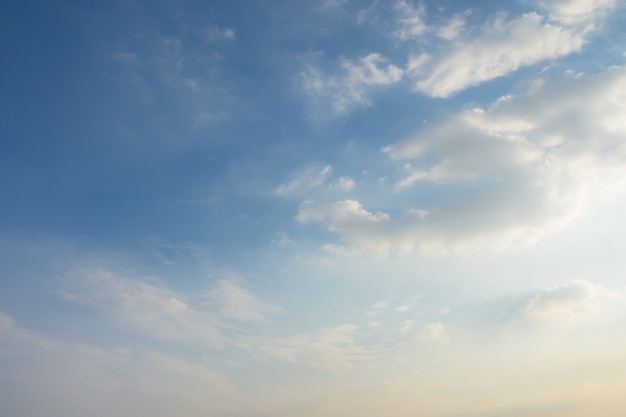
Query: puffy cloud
point(523, 167)
point(351, 88)
point(500, 47)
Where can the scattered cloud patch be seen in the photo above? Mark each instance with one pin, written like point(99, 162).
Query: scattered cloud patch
point(411, 24)
point(214, 34)
point(525, 166)
point(345, 183)
point(452, 29)
point(433, 332)
point(352, 86)
point(500, 47)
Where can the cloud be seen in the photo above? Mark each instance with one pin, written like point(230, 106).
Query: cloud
point(236, 303)
point(351, 88)
point(406, 328)
point(500, 47)
point(570, 302)
point(345, 183)
point(349, 218)
point(151, 308)
point(72, 378)
point(577, 11)
point(452, 29)
point(305, 180)
point(509, 174)
point(333, 349)
point(433, 332)
point(411, 21)
point(215, 34)
point(142, 305)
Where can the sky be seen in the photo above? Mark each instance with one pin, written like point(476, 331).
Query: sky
point(307, 209)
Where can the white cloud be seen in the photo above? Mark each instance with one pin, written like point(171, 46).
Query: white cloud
point(349, 218)
point(404, 309)
point(214, 34)
point(338, 213)
point(525, 166)
point(411, 21)
point(146, 306)
point(433, 332)
point(577, 11)
point(159, 312)
point(502, 46)
point(570, 302)
point(346, 183)
point(305, 180)
point(235, 302)
point(454, 27)
point(333, 349)
point(352, 87)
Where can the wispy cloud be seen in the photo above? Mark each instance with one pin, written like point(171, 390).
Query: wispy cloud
point(571, 302)
point(352, 86)
point(214, 34)
point(235, 302)
point(144, 305)
point(334, 349)
point(305, 180)
point(411, 23)
point(148, 306)
point(577, 11)
point(70, 378)
point(499, 48)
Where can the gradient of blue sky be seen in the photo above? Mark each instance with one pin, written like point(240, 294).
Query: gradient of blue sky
point(320, 208)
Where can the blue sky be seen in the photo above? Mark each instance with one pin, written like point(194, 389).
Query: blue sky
point(320, 208)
